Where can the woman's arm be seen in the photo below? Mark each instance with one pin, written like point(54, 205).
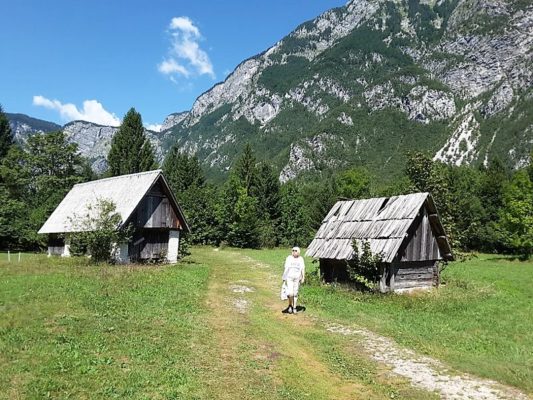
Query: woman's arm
point(284, 277)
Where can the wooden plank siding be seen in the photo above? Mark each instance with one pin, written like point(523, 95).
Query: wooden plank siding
point(156, 212)
point(422, 244)
point(415, 274)
point(149, 244)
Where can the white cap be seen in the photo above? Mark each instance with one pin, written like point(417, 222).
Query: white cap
point(296, 248)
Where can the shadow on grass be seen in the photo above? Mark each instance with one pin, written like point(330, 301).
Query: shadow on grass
point(299, 309)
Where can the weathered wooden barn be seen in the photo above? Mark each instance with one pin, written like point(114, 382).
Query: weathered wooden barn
point(143, 200)
point(405, 230)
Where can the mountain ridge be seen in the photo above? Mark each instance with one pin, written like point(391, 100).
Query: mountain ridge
point(365, 83)
point(425, 88)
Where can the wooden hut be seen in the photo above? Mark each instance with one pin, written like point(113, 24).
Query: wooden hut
point(405, 230)
point(143, 200)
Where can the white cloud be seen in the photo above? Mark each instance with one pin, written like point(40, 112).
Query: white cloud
point(185, 37)
point(169, 67)
point(92, 111)
point(185, 25)
point(154, 127)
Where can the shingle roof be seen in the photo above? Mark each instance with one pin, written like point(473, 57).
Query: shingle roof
point(382, 222)
point(125, 191)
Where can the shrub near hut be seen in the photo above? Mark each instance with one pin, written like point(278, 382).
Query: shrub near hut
point(365, 268)
point(97, 232)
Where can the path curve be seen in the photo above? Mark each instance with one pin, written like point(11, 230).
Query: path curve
point(422, 371)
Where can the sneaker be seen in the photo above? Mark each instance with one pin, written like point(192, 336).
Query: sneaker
point(290, 310)
point(295, 311)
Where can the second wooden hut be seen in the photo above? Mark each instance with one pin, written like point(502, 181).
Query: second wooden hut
point(405, 230)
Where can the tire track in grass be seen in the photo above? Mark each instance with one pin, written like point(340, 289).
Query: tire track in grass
point(255, 351)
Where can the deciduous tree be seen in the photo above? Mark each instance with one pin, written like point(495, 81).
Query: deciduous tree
point(517, 214)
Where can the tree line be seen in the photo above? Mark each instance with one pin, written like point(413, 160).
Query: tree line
point(487, 208)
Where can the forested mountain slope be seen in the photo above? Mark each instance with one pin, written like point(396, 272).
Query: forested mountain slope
point(365, 83)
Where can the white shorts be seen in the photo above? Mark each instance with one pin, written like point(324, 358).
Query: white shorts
point(292, 287)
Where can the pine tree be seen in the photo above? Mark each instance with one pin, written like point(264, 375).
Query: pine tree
point(198, 200)
point(131, 151)
point(246, 169)
point(244, 229)
point(182, 171)
point(6, 137)
point(267, 192)
point(225, 208)
point(294, 224)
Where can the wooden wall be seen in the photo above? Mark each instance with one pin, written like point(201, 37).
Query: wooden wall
point(414, 274)
point(422, 245)
point(398, 276)
point(155, 211)
point(149, 244)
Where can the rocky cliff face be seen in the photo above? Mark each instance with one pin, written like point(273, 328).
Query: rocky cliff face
point(94, 142)
point(23, 126)
point(372, 80)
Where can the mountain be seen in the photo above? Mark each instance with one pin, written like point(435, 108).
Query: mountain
point(365, 83)
point(23, 126)
point(361, 84)
point(93, 140)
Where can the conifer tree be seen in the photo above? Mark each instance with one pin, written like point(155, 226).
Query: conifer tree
point(187, 181)
point(6, 137)
point(182, 171)
point(131, 151)
point(244, 229)
point(267, 192)
point(294, 224)
point(246, 169)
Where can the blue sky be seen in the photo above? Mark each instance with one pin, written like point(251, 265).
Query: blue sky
point(70, 59)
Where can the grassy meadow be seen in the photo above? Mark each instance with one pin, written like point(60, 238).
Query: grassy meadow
point(480, 320)
point(211, 327)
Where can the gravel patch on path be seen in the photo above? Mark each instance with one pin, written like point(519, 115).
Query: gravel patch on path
point(428, 373)
point(241, 289)
point(241, 305)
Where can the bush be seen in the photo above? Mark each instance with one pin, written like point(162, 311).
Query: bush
point(98, 232)
point(365, 267)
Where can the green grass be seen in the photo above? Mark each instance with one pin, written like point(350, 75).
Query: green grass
point(69, 330)
point(479, 321)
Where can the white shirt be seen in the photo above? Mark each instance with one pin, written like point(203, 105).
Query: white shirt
point(294, 268)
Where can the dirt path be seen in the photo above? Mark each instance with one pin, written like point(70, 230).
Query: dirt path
point(256, 351)
point(425, 372)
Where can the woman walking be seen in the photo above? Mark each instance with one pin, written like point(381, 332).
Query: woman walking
point(293, 275)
